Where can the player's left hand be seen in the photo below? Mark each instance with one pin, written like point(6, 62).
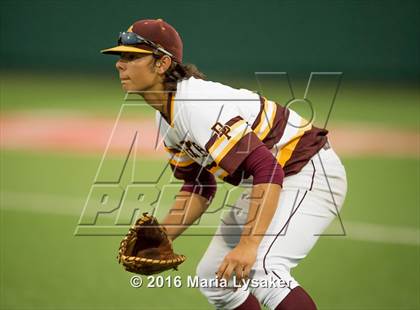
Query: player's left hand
point(240, 260)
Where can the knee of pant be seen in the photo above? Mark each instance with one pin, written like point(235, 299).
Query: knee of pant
point(220, 297)
point(270, 297)
point(274, 289)
point(205, 270)
point(223, 298)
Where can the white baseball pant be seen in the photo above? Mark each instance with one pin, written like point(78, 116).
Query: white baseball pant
point(308, 202)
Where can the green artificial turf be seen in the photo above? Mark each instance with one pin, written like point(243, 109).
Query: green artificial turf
point(45, 266)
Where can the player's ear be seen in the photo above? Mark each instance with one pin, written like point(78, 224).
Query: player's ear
point(163, 64)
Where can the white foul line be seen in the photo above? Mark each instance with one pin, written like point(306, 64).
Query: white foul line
point(66, 205)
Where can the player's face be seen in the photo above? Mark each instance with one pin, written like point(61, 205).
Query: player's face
point(137, 72)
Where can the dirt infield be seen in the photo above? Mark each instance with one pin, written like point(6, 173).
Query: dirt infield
point(86, 134)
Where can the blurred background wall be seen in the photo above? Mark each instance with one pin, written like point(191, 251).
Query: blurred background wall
point(364, 39)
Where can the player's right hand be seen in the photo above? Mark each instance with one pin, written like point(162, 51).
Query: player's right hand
point(240, 260)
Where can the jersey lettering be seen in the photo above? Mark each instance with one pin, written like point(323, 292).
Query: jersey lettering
point(221, 130)
point(192, 149)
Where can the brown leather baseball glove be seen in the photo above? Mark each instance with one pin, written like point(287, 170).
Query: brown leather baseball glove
point(146, 249)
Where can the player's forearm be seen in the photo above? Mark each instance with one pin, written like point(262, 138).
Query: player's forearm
point(187, 208)
point(263, 204)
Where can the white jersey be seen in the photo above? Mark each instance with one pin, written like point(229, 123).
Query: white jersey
point(217, 126)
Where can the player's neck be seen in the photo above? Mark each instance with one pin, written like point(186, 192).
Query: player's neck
point(157, 97)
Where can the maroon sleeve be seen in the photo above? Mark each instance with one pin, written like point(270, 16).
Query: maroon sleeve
point(188, 173)
point(263, 166)
point(204, 185)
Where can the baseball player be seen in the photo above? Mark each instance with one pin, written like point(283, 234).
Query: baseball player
point(297, 184)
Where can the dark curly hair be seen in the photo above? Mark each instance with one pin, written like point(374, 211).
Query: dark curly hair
point(178, 72)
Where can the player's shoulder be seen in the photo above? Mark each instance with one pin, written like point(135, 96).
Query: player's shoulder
point(194, 88)
point(205, 98)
